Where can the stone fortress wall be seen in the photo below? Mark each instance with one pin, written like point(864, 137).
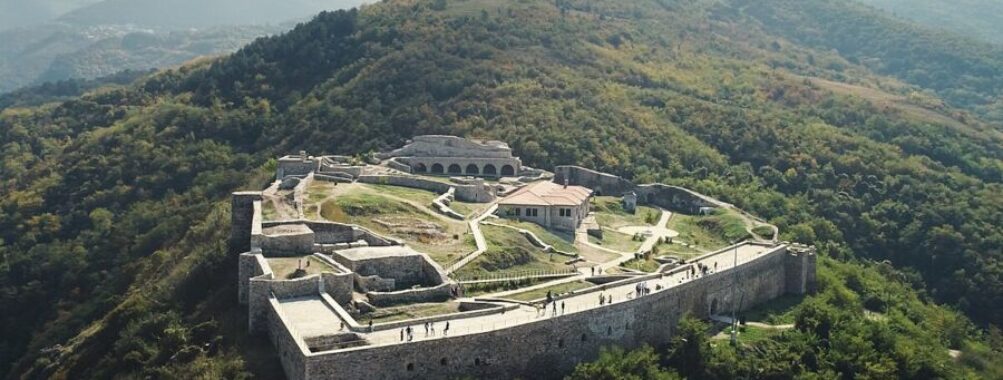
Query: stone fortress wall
point(550, 348)
point(666, 196)
point(544, 348)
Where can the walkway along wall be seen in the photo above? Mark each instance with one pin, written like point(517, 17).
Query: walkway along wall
point(550, 348)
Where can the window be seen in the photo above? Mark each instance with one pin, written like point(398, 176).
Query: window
point(532, 212)
point(517, 211)
point(565, 212)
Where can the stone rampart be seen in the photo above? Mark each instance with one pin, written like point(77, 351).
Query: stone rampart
point(394, 163)
point(600, 183)
point(550, 348)
point(245, 207)
point(287, 243)
point(286, 342)
point(295, 165)
point(249, 265)
point(675, 198)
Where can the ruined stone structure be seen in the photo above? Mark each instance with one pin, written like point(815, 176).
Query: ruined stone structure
point(451, 155)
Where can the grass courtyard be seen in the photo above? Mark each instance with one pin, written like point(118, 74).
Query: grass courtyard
point(510, 252)
point(707, 232)
point(401, 213)
point(285, 267)
point(609, 213)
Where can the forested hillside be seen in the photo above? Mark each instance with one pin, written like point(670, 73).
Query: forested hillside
point(982, 19)
point(115, 203)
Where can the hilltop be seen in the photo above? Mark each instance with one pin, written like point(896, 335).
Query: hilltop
point(115, 202)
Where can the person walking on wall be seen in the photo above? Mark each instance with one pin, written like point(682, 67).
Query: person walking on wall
point(445, 330)
point(431, 326)
point(562, 307)
point(555, 309)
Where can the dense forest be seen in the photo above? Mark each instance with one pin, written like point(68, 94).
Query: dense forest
point(114, 203)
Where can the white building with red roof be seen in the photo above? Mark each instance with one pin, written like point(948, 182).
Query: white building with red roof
point(548, 204)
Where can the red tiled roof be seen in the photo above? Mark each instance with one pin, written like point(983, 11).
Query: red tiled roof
point(548, 194)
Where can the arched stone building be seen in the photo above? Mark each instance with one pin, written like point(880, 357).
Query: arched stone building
point(451, 155)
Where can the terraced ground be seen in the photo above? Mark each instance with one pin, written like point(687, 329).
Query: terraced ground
point(706, 232)
point(398, 212)
point(510, 252)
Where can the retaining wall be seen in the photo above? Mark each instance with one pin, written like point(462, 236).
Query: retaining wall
point(436, 293)
point(550, 348)
point(600, 183)
point(465, 193)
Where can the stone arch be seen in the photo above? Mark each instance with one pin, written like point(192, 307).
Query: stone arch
point(437, 168)
point(713, 306)
point(455, 169)
point(473, 169)
point(420, 168)
point(490, 170)
point(507, 170)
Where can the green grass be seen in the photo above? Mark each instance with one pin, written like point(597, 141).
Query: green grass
point(642, 264)
point(778, 311)
point(400, 313)
point(610, 213)
point(536, 294)
point(447, 241)
point(510, 252)
point(563, 241)
point(751, 334)
point(284, 267)
point(709, 232)
point(617, 241)
point(418, 195)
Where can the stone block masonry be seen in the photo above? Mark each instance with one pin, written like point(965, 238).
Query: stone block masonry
point(550, 348)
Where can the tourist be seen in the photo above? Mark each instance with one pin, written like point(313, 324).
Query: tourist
point(445, 330)
point(610, 299)
point(426, 328)
point(342, 327)
point(602, 299)
point(370, 325)
point(593, 271)
point(555, 309)
point(562, 307)
point(402, 335)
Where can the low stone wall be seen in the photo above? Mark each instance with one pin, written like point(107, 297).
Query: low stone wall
point(465, 193)
point(341, 170)
point(471, 313)
point(295, 165)
point(550, 348)
point(332, 233)
point(600, 183)
point(333, 178)
point(675, 198)
point(287, 244)
point(339, 285)
point(393, 163)
point(436, 293)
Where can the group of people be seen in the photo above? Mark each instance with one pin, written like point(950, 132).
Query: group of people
point(408, 332)
point(552, 303)
point(604, 300)
point(642, 289)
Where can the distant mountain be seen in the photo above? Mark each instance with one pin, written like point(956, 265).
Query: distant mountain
point(982, 19)
point(22, 13)
point(97, 38)
point(184, 14)
point(59, 51)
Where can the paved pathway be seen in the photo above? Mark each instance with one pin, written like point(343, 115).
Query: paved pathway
point(482, 244)
point(578, 303)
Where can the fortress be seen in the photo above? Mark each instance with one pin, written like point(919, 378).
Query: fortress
point(314, 277)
